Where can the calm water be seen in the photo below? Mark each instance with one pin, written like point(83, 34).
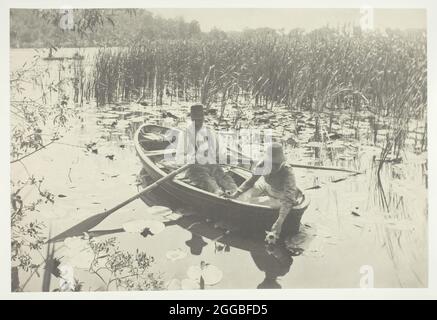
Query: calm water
point(336, 243)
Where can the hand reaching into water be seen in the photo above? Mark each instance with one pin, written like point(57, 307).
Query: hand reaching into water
point(271, 237)
point(274, 233)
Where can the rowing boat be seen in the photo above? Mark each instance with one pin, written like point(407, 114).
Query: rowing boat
point(74, 57)
point(152, 142)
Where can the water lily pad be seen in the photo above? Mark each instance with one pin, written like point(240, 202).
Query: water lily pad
point(75, 243)
point(138, 226)
point(194, 272)
point(155, 226)
point(135, 226)
point(82, 259)
point(160, 210)
point(189, 284)
point(210, 274)
point(174, 284)
point(173, 216)
point(76, 253)
point(176, 254)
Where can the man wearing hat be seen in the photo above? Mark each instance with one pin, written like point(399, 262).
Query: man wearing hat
point(201, 147)
point(274, 179)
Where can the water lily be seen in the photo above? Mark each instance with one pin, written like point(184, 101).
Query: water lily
point(189, 284)
point(159, 210)
point(176, 254)
point(173, 216)
point(211, 274)
point(75, 243)
point(77, 253)
point(174, 284)
point(138, 226)
point(81, 259)
point(135, 226)
point(155, 226)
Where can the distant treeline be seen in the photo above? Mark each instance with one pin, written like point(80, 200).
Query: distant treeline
point(32, 28)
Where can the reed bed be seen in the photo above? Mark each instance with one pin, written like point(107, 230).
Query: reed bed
point(323, 68)
point(379, 76)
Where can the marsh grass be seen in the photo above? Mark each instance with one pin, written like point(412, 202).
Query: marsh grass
point(374, 77)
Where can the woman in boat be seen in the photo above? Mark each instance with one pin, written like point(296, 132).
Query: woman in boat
point(200, 146)
point(273, 183)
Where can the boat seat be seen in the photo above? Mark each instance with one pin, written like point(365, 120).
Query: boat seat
point(185, 179)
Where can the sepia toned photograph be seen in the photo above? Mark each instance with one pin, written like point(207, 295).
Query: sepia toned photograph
point(162, 149)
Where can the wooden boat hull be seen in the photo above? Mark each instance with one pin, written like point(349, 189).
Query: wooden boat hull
point(63, 58)
point(245, 216)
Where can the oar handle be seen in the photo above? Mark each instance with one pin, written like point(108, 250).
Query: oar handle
point(301, 165)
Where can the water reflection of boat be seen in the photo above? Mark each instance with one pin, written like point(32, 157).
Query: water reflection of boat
point(63, 58)
point(151, 143)
point(274, 260)
point(50, 57)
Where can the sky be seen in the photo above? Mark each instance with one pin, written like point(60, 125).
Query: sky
point(287, 19)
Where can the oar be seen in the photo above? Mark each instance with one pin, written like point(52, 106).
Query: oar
point(294, 165)
point(93, 221)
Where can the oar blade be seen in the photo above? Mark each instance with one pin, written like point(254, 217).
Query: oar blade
point(93, 221)
point(80, 228)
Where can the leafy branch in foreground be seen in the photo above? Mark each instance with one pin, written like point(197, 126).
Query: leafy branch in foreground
point(129, 271)
point(37, 121)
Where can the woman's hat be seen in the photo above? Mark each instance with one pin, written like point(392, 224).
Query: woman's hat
point(197, 112)
point(274, 153)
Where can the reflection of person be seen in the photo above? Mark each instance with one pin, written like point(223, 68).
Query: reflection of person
point(275, 262)
point(276, 183)
point(196, 244)
point(201, 147)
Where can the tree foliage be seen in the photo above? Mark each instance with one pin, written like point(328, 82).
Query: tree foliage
point(31, 28)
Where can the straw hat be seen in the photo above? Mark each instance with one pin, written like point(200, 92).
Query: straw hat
point(274, 153)
point(197, 112)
